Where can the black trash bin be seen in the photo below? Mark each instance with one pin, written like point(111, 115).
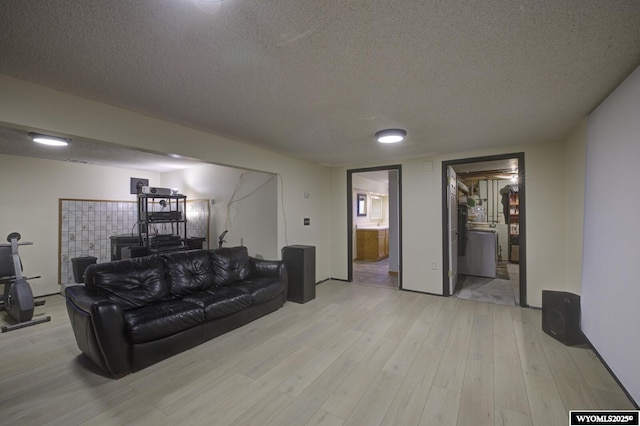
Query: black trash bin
point(80, 265)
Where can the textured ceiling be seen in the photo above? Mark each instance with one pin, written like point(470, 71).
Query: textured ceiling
point(316, 79)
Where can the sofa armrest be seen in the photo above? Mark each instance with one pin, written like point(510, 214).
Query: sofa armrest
point(98, 325)
point(270, 268)
point(265, 268)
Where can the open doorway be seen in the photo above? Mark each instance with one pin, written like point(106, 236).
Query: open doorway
point(374, 228)
point(484, 229)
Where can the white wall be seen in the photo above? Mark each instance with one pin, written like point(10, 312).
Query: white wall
point(610, 290)
point(575, 149)
point(34, 107)
point(252, 219)
point(422, 218)
point(30, 191)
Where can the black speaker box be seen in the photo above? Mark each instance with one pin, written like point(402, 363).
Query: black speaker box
point(301, 271)
point(561, 316)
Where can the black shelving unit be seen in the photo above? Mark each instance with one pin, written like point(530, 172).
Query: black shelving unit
point(514, 227)
point(162, 222)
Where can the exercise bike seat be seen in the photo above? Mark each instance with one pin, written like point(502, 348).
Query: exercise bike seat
point(17, 298)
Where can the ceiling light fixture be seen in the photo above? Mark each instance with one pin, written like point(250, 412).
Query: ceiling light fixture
point(391, 135)
point(49, 140)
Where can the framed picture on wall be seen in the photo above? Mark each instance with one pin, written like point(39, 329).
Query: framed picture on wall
point(361, 203)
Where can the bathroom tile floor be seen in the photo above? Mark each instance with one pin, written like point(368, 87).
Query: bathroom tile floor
point(374, 273)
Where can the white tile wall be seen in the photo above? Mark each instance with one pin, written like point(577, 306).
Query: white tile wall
point(198, 219)
point(86, 225)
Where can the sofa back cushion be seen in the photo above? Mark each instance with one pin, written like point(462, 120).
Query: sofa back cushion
point(231, 264)
point(189, 272)
point(130, 283)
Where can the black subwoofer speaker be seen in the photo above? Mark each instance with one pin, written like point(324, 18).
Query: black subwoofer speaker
point(561, 316)
point(301, 270)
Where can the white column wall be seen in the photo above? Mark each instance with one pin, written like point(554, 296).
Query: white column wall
point(610, 290)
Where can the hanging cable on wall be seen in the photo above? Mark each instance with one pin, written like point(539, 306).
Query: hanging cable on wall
point(284, 216)
point(233, 200)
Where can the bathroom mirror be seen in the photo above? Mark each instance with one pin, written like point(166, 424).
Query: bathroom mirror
point(376, 207)
point(361, 204)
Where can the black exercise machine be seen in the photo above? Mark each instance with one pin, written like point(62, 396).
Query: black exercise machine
point(18, 298)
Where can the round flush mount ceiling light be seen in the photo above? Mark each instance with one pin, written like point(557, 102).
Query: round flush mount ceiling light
point(391, 135)
point(49, 140)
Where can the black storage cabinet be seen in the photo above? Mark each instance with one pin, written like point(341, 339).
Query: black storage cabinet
point(301, 270)
point(195, 243)
point(80, 265)
point(118, 242)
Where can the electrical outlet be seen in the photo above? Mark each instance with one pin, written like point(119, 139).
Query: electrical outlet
point(434, 265)
point(307, 221)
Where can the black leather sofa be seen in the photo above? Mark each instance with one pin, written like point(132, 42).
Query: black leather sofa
point(133, 313)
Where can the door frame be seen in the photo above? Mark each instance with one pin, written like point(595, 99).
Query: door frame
point(523, 219)
point(350, 173)
point(452, 206)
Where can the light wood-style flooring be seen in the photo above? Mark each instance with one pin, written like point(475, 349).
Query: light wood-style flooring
point(357, 354)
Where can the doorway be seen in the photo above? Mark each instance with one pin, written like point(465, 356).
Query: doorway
point(374, 199)
point(484, 229)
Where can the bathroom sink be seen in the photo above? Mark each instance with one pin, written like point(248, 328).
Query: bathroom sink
point(378, 227)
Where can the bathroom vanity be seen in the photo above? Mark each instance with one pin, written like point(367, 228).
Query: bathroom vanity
point(372, 243)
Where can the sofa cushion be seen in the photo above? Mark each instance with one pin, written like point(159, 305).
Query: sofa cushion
point(131, 283)
point(162, 320)
point(261, 289)
point(189, 272)
point(220, 302)
point(231, 264)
